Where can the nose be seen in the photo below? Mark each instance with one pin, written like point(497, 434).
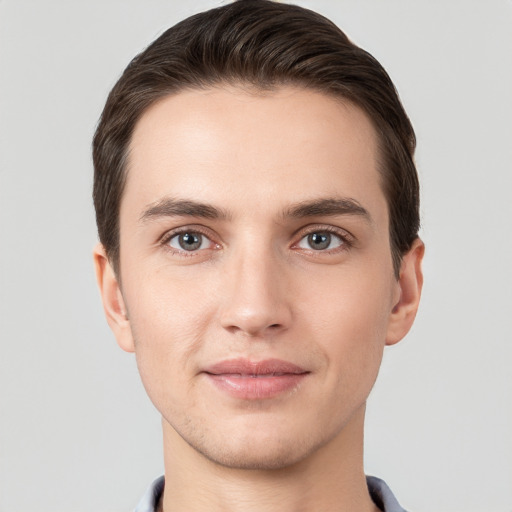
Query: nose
point(257, 301)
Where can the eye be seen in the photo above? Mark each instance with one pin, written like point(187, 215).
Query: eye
point(189, 241)
point(321, 241)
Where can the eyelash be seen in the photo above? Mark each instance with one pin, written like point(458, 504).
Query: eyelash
point(167, 237)
point(347, 239)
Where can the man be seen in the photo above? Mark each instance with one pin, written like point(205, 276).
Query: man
point(257, 207)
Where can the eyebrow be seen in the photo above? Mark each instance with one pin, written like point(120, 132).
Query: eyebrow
point(171, 207)
point(327, 207)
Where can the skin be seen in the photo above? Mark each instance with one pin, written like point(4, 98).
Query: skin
point(257, 289)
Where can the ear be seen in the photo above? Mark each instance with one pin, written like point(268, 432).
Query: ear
point(409, 286)
point(113, 302)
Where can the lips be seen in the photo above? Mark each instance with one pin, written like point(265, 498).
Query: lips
point(255, 380)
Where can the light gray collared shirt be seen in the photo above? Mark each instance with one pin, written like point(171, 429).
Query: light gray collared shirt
point(379, 491)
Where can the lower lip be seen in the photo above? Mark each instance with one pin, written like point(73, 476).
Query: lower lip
point(256, 388)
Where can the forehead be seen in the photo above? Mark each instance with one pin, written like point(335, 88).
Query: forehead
point(241, 148)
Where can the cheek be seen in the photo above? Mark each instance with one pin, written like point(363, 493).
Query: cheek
point(349, 324)
point(353, 301)
point(165, 307)
point(168, 319)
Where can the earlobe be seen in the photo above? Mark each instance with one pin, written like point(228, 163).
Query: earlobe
point(410, 283)
point(113, 302)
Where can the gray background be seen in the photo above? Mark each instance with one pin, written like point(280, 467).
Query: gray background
point(77, 432)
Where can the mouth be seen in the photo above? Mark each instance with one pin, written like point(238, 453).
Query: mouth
point(255, 380)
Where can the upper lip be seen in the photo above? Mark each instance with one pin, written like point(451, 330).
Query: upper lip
point(246, 367)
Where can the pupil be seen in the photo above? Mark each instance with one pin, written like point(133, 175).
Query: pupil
point(189, 241)
point(319, 241)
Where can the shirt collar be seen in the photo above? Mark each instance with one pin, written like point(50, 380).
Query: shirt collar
point(379, 491)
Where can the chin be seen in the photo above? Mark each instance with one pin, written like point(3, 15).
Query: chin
point(255, 442)
point(253, 459)
point(252, 452)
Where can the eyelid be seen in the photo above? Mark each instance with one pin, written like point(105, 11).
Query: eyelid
point(189, 228)
point(347, 237)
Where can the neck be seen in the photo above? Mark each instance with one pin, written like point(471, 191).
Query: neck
point(329, 480)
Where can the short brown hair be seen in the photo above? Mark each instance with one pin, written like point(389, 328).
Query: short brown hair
point(263, 44)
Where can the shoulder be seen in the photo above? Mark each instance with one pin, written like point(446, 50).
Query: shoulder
point(149, 501)
point(382, 496)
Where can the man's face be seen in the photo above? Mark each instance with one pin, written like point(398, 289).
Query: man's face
point(256, 270)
